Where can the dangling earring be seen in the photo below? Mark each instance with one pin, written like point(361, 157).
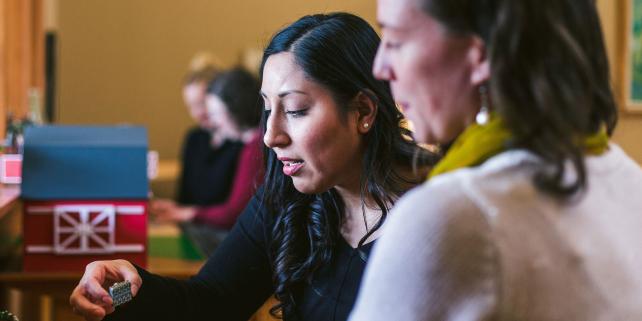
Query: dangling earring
point(484, 112)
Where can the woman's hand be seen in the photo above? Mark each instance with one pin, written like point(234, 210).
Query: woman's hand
point(90, 298)
point(165, 210)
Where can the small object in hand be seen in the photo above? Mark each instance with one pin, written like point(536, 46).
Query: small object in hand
point(120, 293)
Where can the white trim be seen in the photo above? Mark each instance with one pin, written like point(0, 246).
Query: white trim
point(11, 180)
point(39, 249)
point(130, 210)
point(121, 248)
point(87, 207)
point(129, 248)
point(40, 209)
point(120, 209)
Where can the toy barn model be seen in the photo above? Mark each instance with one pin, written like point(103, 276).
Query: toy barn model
point(85, 193)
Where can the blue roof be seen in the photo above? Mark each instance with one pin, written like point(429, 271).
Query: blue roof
point(95, 136)
point(85, 162)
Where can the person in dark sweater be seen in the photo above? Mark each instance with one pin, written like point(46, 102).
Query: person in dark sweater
point(208, 158)
point(207, 171)
point(337, 158)
point(234, 111)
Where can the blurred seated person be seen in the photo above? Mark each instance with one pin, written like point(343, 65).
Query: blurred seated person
point(234, 112)
point(207, 156)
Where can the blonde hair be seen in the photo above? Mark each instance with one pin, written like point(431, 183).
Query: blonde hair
point(202, 68)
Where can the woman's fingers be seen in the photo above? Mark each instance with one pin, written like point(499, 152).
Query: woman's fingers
point(82, 305)
point(95, 289)
point(90, 298)
point(128, 272)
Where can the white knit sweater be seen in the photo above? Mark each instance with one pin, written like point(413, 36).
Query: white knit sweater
point(484, 244)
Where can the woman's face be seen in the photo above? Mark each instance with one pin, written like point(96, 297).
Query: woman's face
point(434, 75)
point(220, 119)
point(194, 98)
point(319, 148)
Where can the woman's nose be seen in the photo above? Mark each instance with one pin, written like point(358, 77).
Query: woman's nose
point(275, 135)
point(381, 68)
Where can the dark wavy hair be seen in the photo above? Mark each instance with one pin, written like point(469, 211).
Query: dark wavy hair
point(239, 90)
point(549, 76)
point(336, 51)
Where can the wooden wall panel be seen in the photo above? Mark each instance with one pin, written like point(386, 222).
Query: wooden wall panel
point(3, 67)
point(21, 55)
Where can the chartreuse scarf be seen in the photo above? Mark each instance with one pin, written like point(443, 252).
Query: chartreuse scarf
point(480, 142)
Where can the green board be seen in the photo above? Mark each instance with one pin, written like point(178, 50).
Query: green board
point(175, 247)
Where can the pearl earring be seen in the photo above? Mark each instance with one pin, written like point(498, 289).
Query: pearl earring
point(483, 115)
point(366, 125)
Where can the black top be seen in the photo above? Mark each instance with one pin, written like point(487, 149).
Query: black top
point(237, 279)
point(207, 173)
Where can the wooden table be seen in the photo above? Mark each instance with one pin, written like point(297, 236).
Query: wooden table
point(45, 296)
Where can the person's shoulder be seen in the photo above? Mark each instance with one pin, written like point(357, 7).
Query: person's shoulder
point(197, 134)
point(464, 195)
point(197, 131)
point(256, 219)
point(253, 146)
point(507, 176)
point(255, 211)
point(439, 218)
point(435, 237)
point(614, 160)
point(434, 199)
point(428, 210)
point(431, 190)
point(256, 202)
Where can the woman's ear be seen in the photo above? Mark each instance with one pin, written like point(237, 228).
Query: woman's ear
point(478, 58)
point(366, 108)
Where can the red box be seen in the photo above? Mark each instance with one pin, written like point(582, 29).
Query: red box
point(67, 235)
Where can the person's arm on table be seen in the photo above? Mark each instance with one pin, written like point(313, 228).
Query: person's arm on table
point(234, 282)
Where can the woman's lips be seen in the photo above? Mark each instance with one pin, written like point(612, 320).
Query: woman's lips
point(291, 170)
point(291, 165)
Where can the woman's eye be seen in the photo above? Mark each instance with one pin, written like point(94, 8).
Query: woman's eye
point(297, 113)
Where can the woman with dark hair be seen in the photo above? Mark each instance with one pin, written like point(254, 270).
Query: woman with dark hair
point(532, 214)
point(234, 110)
point(337, 158)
